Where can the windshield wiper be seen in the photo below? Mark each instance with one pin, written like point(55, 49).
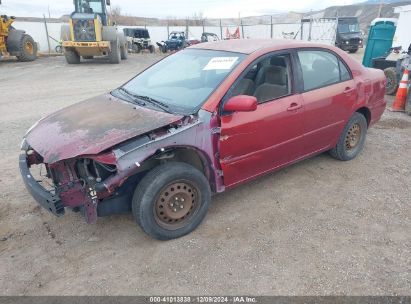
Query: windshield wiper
point(134, 97)
point(155, 102)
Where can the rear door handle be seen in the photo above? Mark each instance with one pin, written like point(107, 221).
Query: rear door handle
point(348, 90)
point(294, 106)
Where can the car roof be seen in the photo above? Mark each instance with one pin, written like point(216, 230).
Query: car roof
point(249, 46)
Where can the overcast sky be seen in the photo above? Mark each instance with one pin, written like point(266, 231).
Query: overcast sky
point(173, 8)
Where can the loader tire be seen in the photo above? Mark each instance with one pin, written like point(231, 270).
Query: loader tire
point(27, 49)
point(124, 51)
point(72, 57)
point(115, 53)
point(109, 33)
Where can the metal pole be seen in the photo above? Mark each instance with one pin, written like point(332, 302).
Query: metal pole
point(242, 28)
point(272, 28)
point(380, 8)
point(203, 26)
point(221, 30)
point(168, 28)
point(47, 33)
point(311, 26)
point(187, 28)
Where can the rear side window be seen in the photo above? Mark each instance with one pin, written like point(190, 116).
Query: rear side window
point(321, 68)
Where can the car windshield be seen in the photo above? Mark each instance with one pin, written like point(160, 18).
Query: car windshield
point(182, 82)
point(348, 27)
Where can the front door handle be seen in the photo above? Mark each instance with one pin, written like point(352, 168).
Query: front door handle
point(294, 106)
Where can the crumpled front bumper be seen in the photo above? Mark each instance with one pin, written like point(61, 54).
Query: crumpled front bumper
point(44, 198)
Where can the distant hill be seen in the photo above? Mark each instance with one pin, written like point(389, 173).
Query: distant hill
point(384, 1)
point(365, 11)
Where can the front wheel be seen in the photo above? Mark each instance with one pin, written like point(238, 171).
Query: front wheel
point(115, 53)
point(171, 200)
point(27, 49)
point(352, 51)
point(72, 57)
point(352, 139)
point(124, 52)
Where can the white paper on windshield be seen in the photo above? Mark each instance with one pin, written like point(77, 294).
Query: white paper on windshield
point(220, 63)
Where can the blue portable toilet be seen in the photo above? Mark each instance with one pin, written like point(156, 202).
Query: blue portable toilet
point(380, 39)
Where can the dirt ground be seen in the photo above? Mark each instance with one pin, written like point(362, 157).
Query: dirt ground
point(319, 227)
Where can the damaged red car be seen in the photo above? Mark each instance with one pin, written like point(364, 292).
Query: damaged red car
point(199, 122)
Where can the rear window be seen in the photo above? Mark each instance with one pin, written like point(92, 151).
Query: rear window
point(321, 68)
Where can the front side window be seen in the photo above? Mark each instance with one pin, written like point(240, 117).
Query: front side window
point(267, 80)
point(183, 81)
point(321, 68)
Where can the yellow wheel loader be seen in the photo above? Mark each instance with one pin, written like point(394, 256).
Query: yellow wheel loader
point(15, 42)
point(90, 33)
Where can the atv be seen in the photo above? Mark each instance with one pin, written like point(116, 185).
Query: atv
point(138, 39)
point(176, 41)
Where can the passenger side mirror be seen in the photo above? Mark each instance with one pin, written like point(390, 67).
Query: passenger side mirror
point(108, 2)
point(241, 103)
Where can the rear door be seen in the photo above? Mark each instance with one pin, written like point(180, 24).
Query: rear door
point(328, 94)
point(252, 143)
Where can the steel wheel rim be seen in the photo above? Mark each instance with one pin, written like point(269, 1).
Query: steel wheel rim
point(176, 205)
point(353, 136)
point(28, 46)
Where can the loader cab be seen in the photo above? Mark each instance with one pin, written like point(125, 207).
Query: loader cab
point(98, 7)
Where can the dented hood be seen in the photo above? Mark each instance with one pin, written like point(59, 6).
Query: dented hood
point(92, 126)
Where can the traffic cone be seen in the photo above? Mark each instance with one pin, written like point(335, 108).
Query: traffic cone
point(401, 97)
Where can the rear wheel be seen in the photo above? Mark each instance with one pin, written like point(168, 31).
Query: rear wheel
point(151, 48)
point(115, 53)
point(124, 52)
point(392, 81)
point(72, 57)
point(27, 49)
point(171, 200)
point(351, 141)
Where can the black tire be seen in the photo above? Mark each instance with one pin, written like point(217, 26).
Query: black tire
point(353, 51)
point(164, 49)
point(115, 53)
point(343, 150)
point(408, 104)
point(27, 49)
point(151, 48)
point(392, 81)
point(72, 57)
point(88, 57)
point(124, 52)
point(59, 49)
point(147, 195)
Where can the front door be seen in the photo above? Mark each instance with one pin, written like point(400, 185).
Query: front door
point(252, 143)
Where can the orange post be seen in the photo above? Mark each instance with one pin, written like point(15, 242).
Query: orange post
point(401, 97)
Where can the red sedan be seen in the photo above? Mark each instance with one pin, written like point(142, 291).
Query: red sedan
point(200, 121)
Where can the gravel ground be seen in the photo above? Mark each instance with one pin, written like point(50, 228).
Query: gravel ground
point(319, 227)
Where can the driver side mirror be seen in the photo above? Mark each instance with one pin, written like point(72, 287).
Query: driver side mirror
point(241, 103)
